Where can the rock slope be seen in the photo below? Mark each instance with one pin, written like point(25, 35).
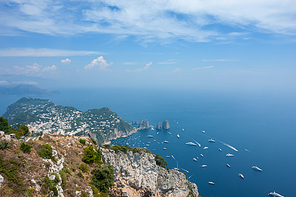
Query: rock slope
point(138, 175)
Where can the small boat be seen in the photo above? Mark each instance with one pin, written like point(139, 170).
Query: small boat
point(178, 135)
point(205, 148)
point(228, 165)
point(149, 136)
point(275, 194)
point(211, 183)
point(166, 141)
point(182, 129)
point(191, 143)
point(157, 133)
point(203, 131)
point(168, 156)
point(229, 155)
point(177, 123)
point(201, 155)
point(152, 129)
point(147, 144)
point(211, 140)
point(257, 168)
point(204, 166)
point(154, 140)
point(194, 159)
point(197, 158)
point(164, 148)
point(154, 149)
point(176, 169)
point(241, 176)
point(220, 149)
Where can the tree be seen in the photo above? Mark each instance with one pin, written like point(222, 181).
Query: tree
point(103, 178)
point(4, 126)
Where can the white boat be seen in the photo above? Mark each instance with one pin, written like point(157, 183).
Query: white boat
point(241, 176)
point(149, 136)
point(211, 140)
point(182, 129)
point(168, 156)
point(197, 158)
point(157, 133)
point(191, 143)
point(203, 132)
point(275, 194)
point(166, 141)
point(228, 165)
point(154, 140)
point(211, 183)
point(178, 135)
point(204, 166)
point(229, 155)
point(257, 168)
point(164, 148)
point(147, 144)
point(205, 148)
point(194, 159)
point(220, 149)
point(152, 129)
point(201, 155)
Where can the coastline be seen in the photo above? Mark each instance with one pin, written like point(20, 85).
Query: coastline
point(126, 135)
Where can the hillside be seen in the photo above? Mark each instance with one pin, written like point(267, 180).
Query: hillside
point(43, 115)
point(55, 165)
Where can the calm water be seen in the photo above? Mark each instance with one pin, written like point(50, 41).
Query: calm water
point(261, 127)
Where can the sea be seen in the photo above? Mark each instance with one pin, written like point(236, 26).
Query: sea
point(258, 128)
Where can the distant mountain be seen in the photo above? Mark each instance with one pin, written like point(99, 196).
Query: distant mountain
point(25, 90)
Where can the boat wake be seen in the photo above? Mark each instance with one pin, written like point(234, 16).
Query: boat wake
point(229, 146)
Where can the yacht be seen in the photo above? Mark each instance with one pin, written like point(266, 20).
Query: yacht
point(166, 141)
point(178, 135)
point(220, 149)
point(194, 159)
point(241, 176)
point(203, 132)
point(204, 166)
point(205, 148)
point(182, 129)
point(168, 156)
point(211, 140)
point(191, 143)
point(149, 136)
point(275, 194)
point(229, 155)
point(152, 129)
point(201, 155)
point(147, 144)
point(257, 168)
point(211, 183)
point(228, 165)
point(164, 148)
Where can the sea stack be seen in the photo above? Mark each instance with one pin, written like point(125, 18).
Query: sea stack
point(159, 126)
point(134, 123)
point(166, 125)
point(144, 124)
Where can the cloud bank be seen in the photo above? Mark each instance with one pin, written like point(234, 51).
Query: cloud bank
point(66, 61)
point(99, 62)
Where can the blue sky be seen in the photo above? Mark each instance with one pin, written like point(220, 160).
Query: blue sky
point(218, 45)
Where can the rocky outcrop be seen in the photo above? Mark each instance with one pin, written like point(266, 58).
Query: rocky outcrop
point(144, 124)
point(138, 175)
point(134, 123)
point(159, 126)
point(166, 125)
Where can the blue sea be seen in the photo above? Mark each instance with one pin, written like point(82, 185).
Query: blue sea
point(260, 126)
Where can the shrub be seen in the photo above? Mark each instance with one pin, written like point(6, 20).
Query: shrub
point(80, 174)
point(46, 152)
point(94, 189)
point(64, 180)
point(83, 167)
point(103, 195)
point(103, 178)
point(4, 145)
point(94, 141)
point(82, 141)
point(160, 161)
point(26, 148)
point(84, 194)
point(91, 156)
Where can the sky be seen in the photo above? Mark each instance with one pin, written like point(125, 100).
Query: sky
point(218, 45)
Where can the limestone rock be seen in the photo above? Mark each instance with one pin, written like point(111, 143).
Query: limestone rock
point(166, 125)
point(1, 180)
point(159, 126)
point(134, 123)
point(138, 175)
point(144, 124)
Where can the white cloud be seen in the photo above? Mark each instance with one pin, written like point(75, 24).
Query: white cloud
point(42, 52)
point(165, 20)
point(171, 61)
point(176, 70)
point(49, 68)
point(141, 69)
point(129, 63)
point(3, 83)
point(27, 69)
point(219, 60)
point(66, 61)
point(197, 68)
point(99, 62)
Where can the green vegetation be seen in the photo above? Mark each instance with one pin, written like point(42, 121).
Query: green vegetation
point(82, 141)
point(51, 185)
point(124, 149)
point(64, 179)
point(83, 167)
point(94, 189)
point(46, 152)
point(26, 148)
point(84, 194)
point(80, 175)
point(4, 125)
point(4, 145)
point(91, 155)
point(94, 141)
point(23, 119)
point(103, 178)
point(160, 161)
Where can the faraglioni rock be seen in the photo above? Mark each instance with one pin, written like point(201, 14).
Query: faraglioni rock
point(166, 125)
point(159, 126)
point(144, 124)
point(138, 175)
point(134, 122)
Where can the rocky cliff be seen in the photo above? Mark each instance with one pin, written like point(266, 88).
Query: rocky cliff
point(159, 126)
point(138, 175)
point(166, 125)
point(144, 124)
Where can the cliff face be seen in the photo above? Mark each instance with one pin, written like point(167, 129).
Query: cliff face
point(166, 124)
point(159, 126)
point(138, 175)
point(144, 124)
